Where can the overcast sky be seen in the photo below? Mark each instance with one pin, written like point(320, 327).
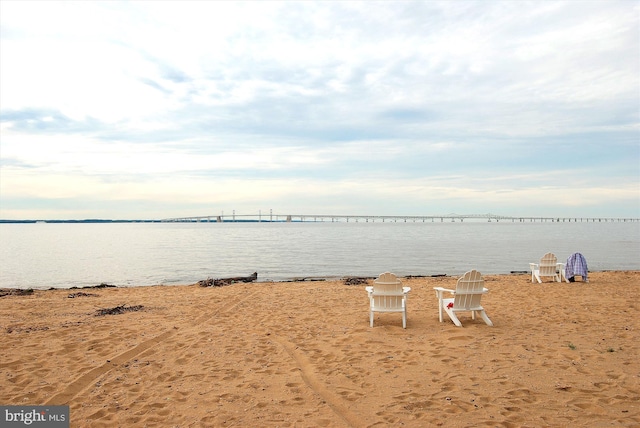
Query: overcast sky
point(149, 110)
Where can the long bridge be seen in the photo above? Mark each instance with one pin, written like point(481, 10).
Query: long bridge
point(271, 218)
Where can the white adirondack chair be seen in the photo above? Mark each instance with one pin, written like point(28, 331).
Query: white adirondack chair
point(388, 295)
point(548, 267)
point(467, 296)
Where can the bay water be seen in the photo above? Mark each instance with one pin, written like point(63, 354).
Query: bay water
point(62, 255)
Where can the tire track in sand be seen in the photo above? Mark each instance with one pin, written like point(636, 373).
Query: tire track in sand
point(308, 375)
point(88, 378)
point(80, 384)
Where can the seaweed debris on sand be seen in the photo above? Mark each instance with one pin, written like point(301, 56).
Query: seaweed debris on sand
point(121, 309)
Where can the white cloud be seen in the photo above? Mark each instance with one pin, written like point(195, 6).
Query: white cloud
point(319, 105)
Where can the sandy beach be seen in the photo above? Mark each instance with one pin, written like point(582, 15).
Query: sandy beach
point(302, 354)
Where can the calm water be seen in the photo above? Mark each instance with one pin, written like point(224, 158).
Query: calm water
point(131, 254)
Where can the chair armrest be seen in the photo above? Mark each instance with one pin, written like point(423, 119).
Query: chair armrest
point(485, 290)
point(405, 290)
point(440, 291)
point(532, 266)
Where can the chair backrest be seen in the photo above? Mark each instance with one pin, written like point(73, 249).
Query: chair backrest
point(387, 292)
point(548, 265)
point(469, 290)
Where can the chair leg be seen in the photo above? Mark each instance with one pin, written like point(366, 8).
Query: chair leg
point(485, 318)
point(370, 318)
point(440, 307)
point(453, 317)
point(404, 319)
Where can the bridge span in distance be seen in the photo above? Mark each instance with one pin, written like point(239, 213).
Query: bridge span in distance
point(332, 218)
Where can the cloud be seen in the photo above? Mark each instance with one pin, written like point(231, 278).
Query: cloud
point(440, 106)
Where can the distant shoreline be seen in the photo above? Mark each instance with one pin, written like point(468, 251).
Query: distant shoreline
point(101, 221)
point(76, 221)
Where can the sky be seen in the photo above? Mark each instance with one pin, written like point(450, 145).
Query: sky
point(152, 110)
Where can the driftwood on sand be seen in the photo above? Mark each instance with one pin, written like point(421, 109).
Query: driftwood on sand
point(210, 282)
point(101, 285)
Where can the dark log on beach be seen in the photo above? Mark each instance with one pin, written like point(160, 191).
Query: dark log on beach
point(435, 275)
point(103, 285)
point(209, 282)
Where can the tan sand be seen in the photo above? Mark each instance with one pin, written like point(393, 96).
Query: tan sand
point(303, 355)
